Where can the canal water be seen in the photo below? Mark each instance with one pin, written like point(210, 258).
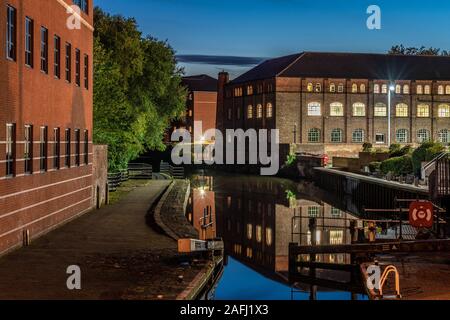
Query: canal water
point(257, 217)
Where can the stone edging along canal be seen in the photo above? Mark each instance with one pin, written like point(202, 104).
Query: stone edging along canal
point(170, 212)
point(170, 216)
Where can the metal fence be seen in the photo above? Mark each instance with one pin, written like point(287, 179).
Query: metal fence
point(176, 172)
point(116, 179)
point(140, 171)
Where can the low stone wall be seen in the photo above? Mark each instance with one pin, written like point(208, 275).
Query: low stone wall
point(100, 175)
point(170, 212)
point(367, 157)
point(347, 164)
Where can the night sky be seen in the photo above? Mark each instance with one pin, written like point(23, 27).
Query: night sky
point(212, 35)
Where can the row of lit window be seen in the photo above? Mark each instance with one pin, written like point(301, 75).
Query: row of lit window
point(238, 91)
point(358, 136)
point(258, 234)
point(251, 112)
point(377, 88)
point(11, 50)
point(28, 150)
point(380, 110)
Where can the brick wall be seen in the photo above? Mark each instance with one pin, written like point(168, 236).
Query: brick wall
point(291, 112)
point(39, 201)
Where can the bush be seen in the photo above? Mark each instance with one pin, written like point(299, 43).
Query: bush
point(291, 158)
point(399, 165)
point(399, 152)
point(374, 166)
point(367, 147)
point(394, 148)
point(381, 150)
point(426, 152)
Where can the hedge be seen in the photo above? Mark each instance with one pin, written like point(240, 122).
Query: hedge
point(398, 165)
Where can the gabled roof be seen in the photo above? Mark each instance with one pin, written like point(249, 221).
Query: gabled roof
point(267, 69)
point(352, 65)
point(200, 82)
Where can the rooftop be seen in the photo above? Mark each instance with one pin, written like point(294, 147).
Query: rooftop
point(351, 65)
point(201, 82)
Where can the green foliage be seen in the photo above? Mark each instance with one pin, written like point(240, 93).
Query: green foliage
point(374, 166)
point(291, 158)
point(395, 147)
point(367, 147)
point(290, 195)
point(426, 152)
point(137, 89)
point(420, 51)
point(398, 165)
point(396, 150)
point(381, 150)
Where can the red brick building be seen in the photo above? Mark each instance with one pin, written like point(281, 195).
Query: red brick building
point(332, 103)
point(45, 116)
point(201, 105)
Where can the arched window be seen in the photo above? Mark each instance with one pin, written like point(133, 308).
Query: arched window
point(402, 136)
point(259, 111)
point(336, 109)
point(444, 136)
point(441, 90)
point(380, 110)
point(419, 89)
point(406, 89)
point(359, 109)
point(447, 90)
point(313, 212)
point(398, 89)
point(259, 234)
point(401, 110)
point(314, 135)
point(358, 136)
point(269, 110)
point(249, 90)
point(444, 111)
point(340, 88)
point(314, 109)
point(423, 135)
point(269, 237)
point(354, 88)
point(318, 87)
point(423, 111)
point(336, 135)
point(384, 88)
point(310, 87)
point(250, 112)
point(249, 231)
point(362, 88)
point(427, 89)
point(332, 87)
point(376, 88)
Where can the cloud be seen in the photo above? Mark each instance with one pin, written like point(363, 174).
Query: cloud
point(220, 60)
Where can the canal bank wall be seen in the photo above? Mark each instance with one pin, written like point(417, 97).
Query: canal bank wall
point(170, 212)
point(170, 216)
point(366, 192)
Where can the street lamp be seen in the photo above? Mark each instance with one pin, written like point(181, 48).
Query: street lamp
point(391, 89)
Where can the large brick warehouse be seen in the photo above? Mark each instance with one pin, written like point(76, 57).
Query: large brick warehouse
point(331, 103)
point(46, 150)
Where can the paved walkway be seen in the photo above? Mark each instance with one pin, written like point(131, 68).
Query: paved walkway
point(120, 256)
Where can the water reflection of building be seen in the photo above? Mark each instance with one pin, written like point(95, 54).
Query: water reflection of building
point(257, 222)
point(203, 197)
